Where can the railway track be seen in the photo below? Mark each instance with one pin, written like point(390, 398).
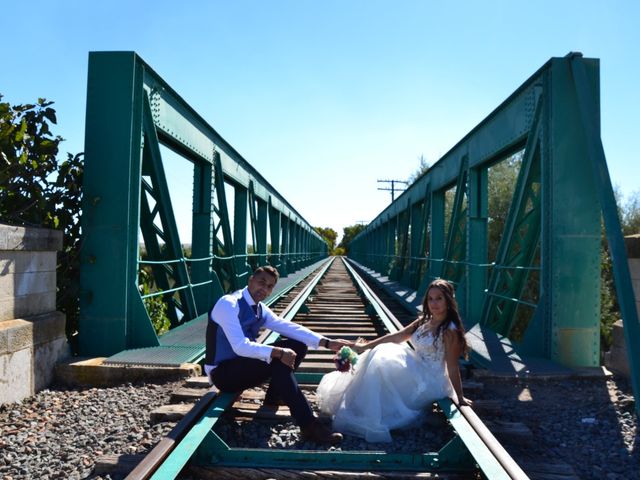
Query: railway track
point(334, 301)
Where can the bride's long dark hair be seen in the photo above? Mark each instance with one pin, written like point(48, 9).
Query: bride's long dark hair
point(453, 316)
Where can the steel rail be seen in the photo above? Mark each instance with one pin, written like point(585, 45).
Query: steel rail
point(472, 435)
point(163, 449)
point(496, 448)
point(154, 459)
point(169, 457)
point(506, 467)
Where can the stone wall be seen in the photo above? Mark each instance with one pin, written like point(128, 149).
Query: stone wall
point(616, 359)
point(32, 332)
point(632, 243)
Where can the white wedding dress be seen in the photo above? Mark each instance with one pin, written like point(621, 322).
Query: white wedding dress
point(388, 388)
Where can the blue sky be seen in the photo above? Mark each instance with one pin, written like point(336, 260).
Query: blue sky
point(324, 98)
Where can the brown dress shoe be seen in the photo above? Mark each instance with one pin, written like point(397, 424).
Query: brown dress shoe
point(319, 433)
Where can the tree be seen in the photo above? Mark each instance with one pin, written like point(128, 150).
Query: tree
point(421, 170)
point(348, 235)
point(156, 306)
point(630, 214)
point(36, 189)
point(330, 235)
point(502, 179)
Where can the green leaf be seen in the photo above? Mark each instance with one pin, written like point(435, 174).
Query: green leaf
point(29, 195)
point(50, 113)
point(20, 133)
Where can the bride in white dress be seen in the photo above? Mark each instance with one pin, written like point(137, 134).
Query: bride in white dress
point(392, 383)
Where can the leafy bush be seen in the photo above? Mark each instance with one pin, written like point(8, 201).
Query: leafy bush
point(38, 190)
point(156, 306)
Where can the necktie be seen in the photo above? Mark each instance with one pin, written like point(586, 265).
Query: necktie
point(255, 310)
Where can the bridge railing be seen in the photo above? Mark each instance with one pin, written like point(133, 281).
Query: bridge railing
point(541, 288)
point(239, 221)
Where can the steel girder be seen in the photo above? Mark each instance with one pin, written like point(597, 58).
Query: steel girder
point(131, 112)
point(553, 227)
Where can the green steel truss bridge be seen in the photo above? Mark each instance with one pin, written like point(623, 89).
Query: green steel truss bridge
point(531, 306)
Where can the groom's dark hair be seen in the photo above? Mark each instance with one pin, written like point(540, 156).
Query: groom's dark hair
point(269, 270)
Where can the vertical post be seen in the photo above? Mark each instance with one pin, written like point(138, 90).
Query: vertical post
point(373, 261)
point(477, 248)
point(262, 231)
point(621, 271)
point(391, 245)
point(574, 226)
point(113, 163)
point(306, 247)
point(295, 247)
point(418, 230)
point(275, 228)
point(436, 243)
point(286, 259)
point(240, 206)
point(202, 240)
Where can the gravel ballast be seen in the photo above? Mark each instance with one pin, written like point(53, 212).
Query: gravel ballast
point(59, 433)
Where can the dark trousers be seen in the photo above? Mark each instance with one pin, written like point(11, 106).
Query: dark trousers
point(240, 373)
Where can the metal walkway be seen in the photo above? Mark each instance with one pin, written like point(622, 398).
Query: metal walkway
point(186, 343)
point(489, 350)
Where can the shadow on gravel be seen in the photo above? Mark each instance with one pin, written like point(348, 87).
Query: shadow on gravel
point(588, 423)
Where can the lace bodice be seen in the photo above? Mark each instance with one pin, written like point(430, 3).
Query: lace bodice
point(426, 348)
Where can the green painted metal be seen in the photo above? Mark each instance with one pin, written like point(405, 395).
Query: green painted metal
point(160, 356)
point(519, 241)
point(402, 254)
point(572, 222)
point(467, 447)
point(110, 318)
point(186, 343)
point(477, 243)
point(131, 113)
point(419, 224)
point(456, 249)
point(241, 267)
point(374, 305)
point(201, 436)
point(153, 231)
point(359, 461)
point(454, 456)
point(595, 153)
point(436, 240)
point(464, 453)
point(179, 457)
point(223, 246)
point(275, 224)
point(553, 228)
point(203, 236)
point(213, 451)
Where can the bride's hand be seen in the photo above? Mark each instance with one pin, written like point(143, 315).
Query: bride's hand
point(360, 345)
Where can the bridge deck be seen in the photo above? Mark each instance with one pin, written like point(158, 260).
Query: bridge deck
point(488, 349)
point(186, 343)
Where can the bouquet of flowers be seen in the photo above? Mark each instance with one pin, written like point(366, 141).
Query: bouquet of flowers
point(345, 359)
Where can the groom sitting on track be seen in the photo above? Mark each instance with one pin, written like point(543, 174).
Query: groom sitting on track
point(235, 361)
